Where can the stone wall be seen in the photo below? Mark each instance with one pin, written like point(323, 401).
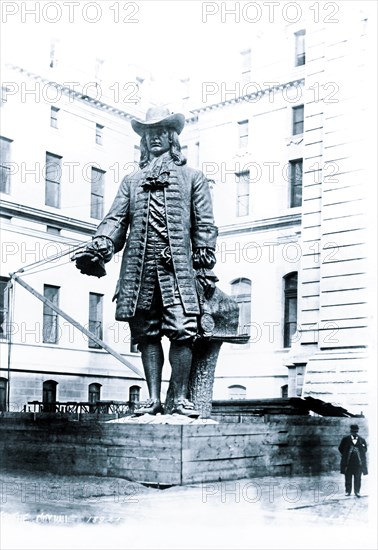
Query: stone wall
point(173, 454)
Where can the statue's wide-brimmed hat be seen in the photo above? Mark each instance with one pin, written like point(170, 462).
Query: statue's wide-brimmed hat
point(159, 116)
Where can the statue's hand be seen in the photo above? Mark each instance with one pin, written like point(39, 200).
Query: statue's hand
point(89, 263)
point(91, 260)
point(204, 257)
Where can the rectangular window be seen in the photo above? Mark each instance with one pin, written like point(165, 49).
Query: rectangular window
point(54, 117)
point(5, 169)
point(296, 176)
point(3, 307)
point(242, 193)
point(53, 170)
point(300, 51)
point(243, 134)
point(50, 317)
point(97, 193)
point(290, 311)
point(99, 134)
point(95, 317)
point(298, 118)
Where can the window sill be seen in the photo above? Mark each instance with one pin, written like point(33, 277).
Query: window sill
point(294, 140)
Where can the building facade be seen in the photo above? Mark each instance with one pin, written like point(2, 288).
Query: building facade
point(64, 153)
point(282, 138)
point(286, 144)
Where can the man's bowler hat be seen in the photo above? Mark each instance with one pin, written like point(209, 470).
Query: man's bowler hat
point(159, 116)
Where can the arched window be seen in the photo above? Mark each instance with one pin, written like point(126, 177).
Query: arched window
point(241, 291)
point(284, 391)
point(94, 393)
point(237, 392)
point(134, 394)
point(49, 395)
point(290, 307)
point(3, 394)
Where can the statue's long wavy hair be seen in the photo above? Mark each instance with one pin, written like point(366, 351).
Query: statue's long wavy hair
point(174, 149)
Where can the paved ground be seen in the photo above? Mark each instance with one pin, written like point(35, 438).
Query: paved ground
point(45, 511)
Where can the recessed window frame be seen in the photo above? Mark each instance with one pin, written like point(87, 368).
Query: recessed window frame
point(97, 193)
point(4, 308)
point(300, 48)
point(5, 168)
point(54, 116)
point(290, 307)
point(296, 182)
point(243, 190)
point(243, 128)
point(95, 318)
point(236, 392)
point(99, 134)
point(241, 291)
point(298, 120)
point(53, 176)
point(50, 324)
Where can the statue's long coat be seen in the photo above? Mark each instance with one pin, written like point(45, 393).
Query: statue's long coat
point(190, 224)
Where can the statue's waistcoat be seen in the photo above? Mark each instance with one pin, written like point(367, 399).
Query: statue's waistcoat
point(189, 221)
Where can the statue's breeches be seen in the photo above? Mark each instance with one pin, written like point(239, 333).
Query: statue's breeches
point(171, 321)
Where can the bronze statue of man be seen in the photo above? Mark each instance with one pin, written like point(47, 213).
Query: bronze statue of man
point(163, 217)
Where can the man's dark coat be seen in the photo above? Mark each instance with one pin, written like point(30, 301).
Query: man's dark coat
point(345, 449)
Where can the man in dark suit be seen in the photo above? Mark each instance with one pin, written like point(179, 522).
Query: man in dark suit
point(353, 460)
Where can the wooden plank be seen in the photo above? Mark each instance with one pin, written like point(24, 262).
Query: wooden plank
point(256, 428)
point(142, 430)
point(143, 476)
point(229, 475)
point(236, 470)
point(144, 464)
point(222, 464)
point(167, 452)
point(223, 447)
point(144, 442)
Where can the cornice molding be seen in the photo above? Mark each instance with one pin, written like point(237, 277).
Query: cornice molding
point(66, 90)
point(244, 98)
point(125, 115)
point(278, 222)
point(12, 209)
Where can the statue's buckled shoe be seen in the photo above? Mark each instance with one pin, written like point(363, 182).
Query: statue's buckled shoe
point(186, 408)
point(149, 407)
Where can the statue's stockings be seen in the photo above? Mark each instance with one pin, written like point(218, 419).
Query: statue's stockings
point(180, 358)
